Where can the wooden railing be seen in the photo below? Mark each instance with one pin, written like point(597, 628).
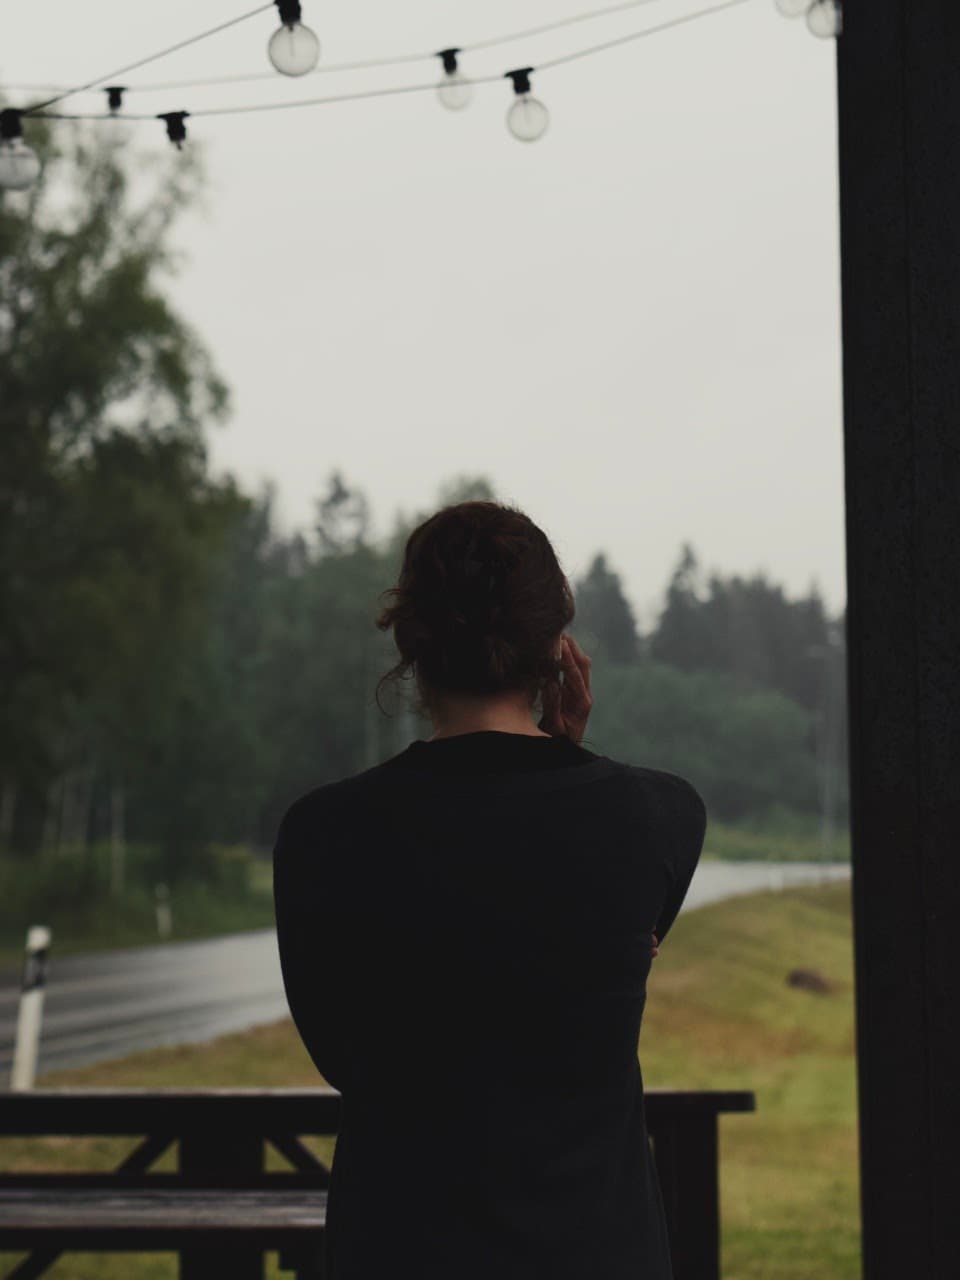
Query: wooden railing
point(221, 1210)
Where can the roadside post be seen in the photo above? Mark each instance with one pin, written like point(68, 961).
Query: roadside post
point(164, 910)
point(30, 1014)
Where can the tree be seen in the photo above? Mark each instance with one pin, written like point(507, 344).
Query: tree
point(464, 488)
point(744, 627)
point(343, 518)
point(148, 528)
point(91, 355)
point(681, 636)
point(604, 611)
point(745, 752)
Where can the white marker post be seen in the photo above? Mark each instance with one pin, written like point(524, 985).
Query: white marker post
point(164, 910)
point(32, 989)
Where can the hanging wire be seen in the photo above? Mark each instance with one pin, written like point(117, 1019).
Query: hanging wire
point(412, 88)
point(142, 62)
point(338, 97)
point(275, 106)
point(555, 25)
point(360, 65)
point(636, 35)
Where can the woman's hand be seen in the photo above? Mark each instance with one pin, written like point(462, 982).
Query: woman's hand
point(567, 706)
point(656, 949)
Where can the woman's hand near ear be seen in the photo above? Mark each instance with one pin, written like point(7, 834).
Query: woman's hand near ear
point(566, 707)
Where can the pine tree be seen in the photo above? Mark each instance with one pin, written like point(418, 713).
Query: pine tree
point(604, 612)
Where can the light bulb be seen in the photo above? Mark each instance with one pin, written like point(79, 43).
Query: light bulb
point(793, 8)
point(454, 91)
point(825, 19)
point(19, 165)
point(527, 118)
point(294, 49)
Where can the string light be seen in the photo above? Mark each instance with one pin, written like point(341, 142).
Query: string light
point(527, 118)
point(114, 94)
point(396, 60)
point(293, 49)
point(19, 164)
point(454, 90)
point(825, 19)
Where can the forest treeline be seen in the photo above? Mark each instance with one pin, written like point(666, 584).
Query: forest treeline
point(174, 669)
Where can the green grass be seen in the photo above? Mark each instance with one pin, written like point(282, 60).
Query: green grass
point(719, 1015)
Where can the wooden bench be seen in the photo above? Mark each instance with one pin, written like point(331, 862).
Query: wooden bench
point(222, 1210)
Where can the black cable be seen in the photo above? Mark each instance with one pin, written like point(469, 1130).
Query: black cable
point(416, 88)
point(142, 62)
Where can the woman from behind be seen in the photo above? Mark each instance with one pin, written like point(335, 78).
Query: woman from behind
point(465, 934)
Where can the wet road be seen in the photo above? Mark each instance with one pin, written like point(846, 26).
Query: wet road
point(110, 1004)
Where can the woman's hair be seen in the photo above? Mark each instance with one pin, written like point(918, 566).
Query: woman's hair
point(480, 603)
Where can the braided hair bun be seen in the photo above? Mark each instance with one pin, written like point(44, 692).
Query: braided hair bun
point(479, 604)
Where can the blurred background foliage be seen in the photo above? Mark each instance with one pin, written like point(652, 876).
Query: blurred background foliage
point(175, 670)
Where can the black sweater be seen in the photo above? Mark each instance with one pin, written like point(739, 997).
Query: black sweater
point(465, 938)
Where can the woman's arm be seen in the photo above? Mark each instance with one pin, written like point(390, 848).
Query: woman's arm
point(684, 818)
point(311, 956)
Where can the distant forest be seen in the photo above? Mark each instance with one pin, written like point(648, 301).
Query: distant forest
point(174, 671)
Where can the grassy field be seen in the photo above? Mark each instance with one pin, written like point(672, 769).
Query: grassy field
point(719, 1015)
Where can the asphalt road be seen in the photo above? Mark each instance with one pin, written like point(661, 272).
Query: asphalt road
point(109, 1004)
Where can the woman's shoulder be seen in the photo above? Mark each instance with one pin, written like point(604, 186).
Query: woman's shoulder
point(648, 792)
point(321, 799)
point(671, 788)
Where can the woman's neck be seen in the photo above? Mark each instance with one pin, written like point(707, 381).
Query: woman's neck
point(456, 730)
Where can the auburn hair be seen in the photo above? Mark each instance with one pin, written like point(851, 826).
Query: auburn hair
point(479, 605)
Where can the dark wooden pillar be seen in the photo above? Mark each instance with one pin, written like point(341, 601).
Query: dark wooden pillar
point(899, 121)
point(686, 1155)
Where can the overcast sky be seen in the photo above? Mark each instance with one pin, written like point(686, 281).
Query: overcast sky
point(630, 326)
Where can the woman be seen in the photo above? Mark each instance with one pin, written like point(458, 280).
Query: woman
point(465, 933)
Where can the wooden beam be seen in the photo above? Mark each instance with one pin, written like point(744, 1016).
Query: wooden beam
point(315, 1110)
point(264, 1112)
point(899, 136)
